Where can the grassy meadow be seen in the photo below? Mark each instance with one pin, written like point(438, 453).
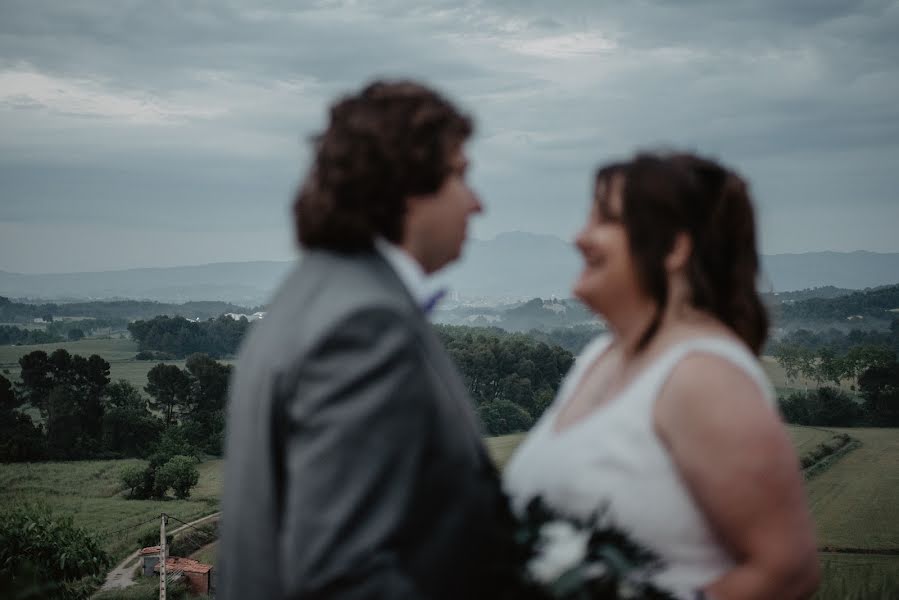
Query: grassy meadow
point(91, 492)
point(806, 438)
point(855, 502)
point(858, 577)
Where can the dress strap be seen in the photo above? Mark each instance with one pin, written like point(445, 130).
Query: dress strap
point(730, 350)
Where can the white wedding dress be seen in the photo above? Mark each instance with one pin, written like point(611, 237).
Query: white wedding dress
point(614, 457)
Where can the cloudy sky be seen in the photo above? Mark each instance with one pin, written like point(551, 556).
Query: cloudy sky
point(170, 132)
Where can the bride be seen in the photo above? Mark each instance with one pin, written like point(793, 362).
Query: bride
point(669, 420)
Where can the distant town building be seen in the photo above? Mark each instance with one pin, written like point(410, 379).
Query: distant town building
point(238, 316)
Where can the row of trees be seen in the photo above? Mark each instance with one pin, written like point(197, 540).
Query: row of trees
point(512, 378)
point(873, 371)
point(869, 303)
point(180, 337)
point(826, 365)
point(832, 407)
point(842, 342)
point(84, 415)
point(10, 335)
point(127, 310)
point(58, 331)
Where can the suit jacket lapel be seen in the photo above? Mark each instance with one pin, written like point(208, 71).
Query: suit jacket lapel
point(446, 370)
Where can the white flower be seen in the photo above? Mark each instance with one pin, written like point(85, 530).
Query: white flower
point(560, 548)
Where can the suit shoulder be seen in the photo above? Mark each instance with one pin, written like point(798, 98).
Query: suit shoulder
point(323, 292)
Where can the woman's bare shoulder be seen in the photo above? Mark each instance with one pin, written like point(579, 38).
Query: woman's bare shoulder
point(711, 394)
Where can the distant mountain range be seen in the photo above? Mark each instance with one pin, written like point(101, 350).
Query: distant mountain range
point(246, 284)
point(512, 266)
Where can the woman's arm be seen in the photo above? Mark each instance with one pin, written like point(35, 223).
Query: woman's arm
point(734, 454)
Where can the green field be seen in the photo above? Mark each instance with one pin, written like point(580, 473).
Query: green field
point(502, 447)
point(854, 504)
point(113, 350)
point(90, 491)
point(858, 577)
point(806, 438)
point(856, 501)
point(206, 554)
point(119, 353)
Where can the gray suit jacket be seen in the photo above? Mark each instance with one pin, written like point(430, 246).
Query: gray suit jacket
point(354, 462)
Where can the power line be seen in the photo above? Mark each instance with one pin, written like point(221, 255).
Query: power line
point(108, 533)
point(191, 526)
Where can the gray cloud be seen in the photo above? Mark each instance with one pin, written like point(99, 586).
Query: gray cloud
point(177, 117)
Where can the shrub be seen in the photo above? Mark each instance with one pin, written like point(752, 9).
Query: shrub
point(824, 449)
point(826, 406)
point(150, 355)
point(151, 538)
point(132, 476)
point(43, 555)
point(502, 416)
point(180, 474)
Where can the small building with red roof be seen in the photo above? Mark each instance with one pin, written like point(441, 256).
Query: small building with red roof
point(197, 574)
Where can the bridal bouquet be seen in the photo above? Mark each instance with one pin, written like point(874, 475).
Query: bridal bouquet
point(571, 559)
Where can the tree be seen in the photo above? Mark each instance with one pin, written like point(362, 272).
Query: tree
point(75, 334)
point(209, 383)
point(826, 406)
point(180, 474)
point(834, 408)
point(20, 439)
point(91, 376)
point(8, 399)
point(129, 428)
point(830, 367)
point(73, 384)
point(173, 442)
point(44, 555)
point(502, 416)
point(792, 358)
point(169, 388)
point(65, 436)
point(36, 379)
point(879, 386)
point(132, 477)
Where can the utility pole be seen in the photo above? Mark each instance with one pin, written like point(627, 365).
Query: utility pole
point(162, 556)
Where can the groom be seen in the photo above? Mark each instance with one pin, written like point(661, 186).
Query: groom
point(355, 467)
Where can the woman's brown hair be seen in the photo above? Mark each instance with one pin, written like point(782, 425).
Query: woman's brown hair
point(664, 195)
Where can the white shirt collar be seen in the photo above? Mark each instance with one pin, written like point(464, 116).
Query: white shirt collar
point(407, 269)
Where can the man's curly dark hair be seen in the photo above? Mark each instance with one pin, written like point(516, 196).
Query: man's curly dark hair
point(392, 140)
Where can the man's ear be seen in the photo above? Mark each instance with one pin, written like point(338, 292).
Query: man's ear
point(680, 253)
point(412, 202)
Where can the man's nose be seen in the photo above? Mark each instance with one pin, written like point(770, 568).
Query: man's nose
point(476, 205)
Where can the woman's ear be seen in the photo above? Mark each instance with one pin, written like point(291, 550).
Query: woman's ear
point(681, 250)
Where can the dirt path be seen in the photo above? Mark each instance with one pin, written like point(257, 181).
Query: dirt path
point(122, 575)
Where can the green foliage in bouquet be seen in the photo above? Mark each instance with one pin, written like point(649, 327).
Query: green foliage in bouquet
point(574, 559)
